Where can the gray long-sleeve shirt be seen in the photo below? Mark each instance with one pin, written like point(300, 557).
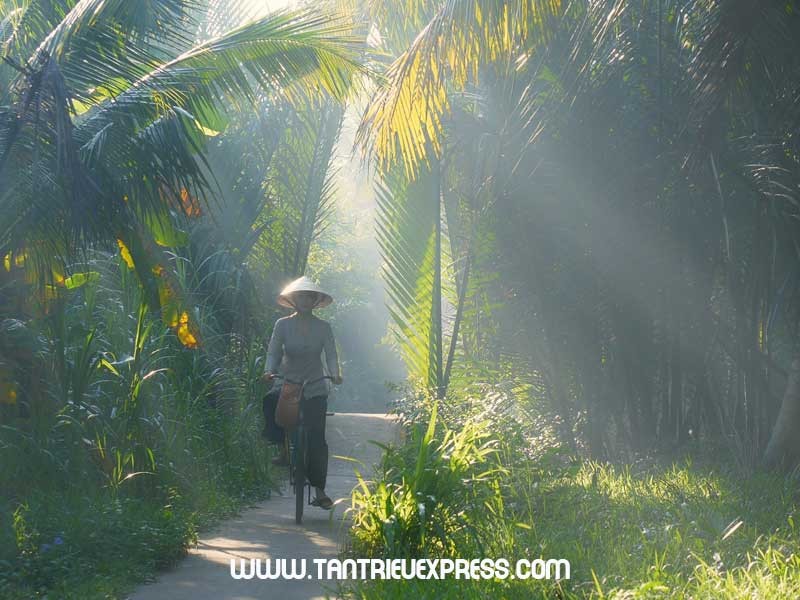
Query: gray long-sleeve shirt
point(295, 351)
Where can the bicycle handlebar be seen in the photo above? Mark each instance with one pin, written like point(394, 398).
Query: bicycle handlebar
point(303, 383)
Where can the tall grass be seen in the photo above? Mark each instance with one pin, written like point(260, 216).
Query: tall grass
point(423, 505)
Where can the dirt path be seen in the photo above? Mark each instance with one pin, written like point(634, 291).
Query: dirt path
point(268, 530)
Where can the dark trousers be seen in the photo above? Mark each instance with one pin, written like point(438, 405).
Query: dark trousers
point(314, 410)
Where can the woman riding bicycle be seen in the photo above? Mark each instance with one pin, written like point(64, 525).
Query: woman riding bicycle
point(295, 352)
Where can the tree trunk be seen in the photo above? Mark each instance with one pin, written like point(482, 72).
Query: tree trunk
point(783, 450)
point(436, 375)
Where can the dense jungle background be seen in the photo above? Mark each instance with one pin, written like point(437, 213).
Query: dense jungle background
point(563, 240)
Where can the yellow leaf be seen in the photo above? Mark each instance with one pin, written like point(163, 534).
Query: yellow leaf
point(58, 276)
point(11, 258)
point(184, 331)
point(125, 253)
point(191, 206)
point(79, 279)
point(207, 131)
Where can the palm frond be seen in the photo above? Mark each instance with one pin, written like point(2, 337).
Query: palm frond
point(300, 182)
point(26, 24)
point(82, 168)
point(736, 43)
point(403, 123)
point(407, 230)
point(144, 22)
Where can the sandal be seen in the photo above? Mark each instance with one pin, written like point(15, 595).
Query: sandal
point(324, 502)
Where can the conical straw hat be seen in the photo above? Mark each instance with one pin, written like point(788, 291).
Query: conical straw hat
point(304, 284)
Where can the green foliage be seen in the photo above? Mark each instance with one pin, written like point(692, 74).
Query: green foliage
point(621, 178)
point(430, 491)
point(651, 529)
point(129, 388)
point(131, 536)
point(103, 128)
point(147, 440)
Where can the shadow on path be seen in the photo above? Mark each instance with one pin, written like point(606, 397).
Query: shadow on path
point(268, 529)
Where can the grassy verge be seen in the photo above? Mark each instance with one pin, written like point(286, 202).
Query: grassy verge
point(86, 541)
point(686, 529)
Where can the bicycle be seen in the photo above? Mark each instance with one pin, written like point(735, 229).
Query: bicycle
point(296, 445)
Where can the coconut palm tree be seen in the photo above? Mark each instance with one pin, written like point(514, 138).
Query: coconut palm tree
point(441, 47)
point(641, 218)
point(106, 109)
point(444, 45)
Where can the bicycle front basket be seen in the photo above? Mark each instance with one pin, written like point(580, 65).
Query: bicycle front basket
point(287, 412)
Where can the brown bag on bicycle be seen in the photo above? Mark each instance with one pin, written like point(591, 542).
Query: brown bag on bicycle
point(287, 412)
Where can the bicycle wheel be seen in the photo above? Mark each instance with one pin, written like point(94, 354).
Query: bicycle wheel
point(300, 475)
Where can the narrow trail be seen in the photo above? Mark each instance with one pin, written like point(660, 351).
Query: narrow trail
point(268, 529)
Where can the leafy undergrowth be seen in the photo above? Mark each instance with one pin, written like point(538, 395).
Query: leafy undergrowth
point(84, 542)
point(688, 529)
point(132, 445)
